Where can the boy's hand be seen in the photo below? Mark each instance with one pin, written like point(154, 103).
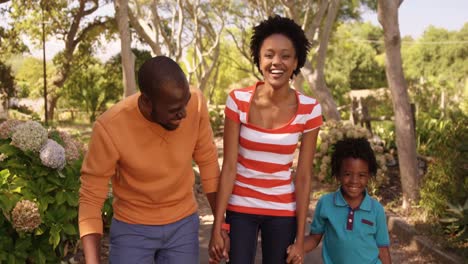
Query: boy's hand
point(295, 254)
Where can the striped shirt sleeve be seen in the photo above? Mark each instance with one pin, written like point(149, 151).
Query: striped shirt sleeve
point(314, 119)
point(232, 110)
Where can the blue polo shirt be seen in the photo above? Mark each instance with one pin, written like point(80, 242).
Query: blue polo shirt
point(350, 236)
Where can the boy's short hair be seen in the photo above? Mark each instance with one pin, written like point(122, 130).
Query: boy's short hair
point(357, 148)
point(286, 27)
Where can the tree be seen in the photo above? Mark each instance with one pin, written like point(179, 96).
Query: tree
point(354, 60)
point(317, 18)
point(435, 66)
point(113, 66)
point(171, 27)
point(29, 76)
point(7, 84)
point(404, 125)
point(70, 22)
point(90, 86)
point(128, 58)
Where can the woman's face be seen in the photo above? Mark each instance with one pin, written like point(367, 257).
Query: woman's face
point(278, 60)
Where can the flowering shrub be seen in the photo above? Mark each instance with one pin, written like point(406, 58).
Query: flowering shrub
point(52, 155)
point(38, 193)
point(334, 131)
point(29, 136)
point(7, 127)
point(25, 216)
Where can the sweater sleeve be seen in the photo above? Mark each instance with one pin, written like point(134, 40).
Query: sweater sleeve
point(206, 153)
point(98, 167)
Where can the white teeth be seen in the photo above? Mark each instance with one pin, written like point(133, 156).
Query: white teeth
point(277, 71)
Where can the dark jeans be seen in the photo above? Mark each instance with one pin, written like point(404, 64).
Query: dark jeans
point(277, 233)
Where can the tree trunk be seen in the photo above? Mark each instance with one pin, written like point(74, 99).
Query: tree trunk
point(316, 81)
point(405, 136)
point(127, 56)
point(316, 77)
point(51, 105)
point(298, 83)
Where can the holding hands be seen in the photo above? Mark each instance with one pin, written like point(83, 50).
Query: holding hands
point(218, 248)
point(295, 254)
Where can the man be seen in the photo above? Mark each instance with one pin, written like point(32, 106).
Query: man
point(145, 144)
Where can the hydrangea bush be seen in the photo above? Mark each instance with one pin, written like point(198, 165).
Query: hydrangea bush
point(39, 183)
point(333, 131)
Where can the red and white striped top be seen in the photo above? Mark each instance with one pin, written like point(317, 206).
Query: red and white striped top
point(263, 182)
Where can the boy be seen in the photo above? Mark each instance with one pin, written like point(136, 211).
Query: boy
point(353, 223)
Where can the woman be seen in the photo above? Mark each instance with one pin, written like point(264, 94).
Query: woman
point(263, 125)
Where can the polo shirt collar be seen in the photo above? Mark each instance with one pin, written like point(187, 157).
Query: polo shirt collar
point(339, 200)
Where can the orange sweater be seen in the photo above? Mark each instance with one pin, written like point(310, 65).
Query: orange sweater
point(150, 167)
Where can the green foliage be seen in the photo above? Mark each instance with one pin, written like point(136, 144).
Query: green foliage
point(23, 177)
point(332, 132)
point(7, 82)
point(29, 76)
point(435, 66)
point(217, 120)
point(113, 67)
point(354, 63)
point(445, 181)
point(89, 86)
point(456, 220)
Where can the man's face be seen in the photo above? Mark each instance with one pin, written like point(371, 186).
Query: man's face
point(168, 108)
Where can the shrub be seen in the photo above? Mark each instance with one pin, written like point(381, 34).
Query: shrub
point(333, 131)
point(446, 143)
point(217, 120)
point(38, 195)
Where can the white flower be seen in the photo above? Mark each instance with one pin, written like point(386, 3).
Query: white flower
point(29, 136)
point(324, 147)
point(53, 155)
point(72, 149)
point(321, 176)
point(378, 149)
point(26, 216)
point(339, 135)
point(3, 156)
point(8, 127)
point(324, 136)
point(326, 160)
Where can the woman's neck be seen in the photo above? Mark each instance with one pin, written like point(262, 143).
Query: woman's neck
point(275, 94)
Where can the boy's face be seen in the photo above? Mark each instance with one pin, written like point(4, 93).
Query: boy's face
point(354, 176)
point(169, 108)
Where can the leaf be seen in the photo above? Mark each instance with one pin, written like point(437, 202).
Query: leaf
point(5, 174)
point(39, 231)
point(72, 198)
point(448, 220)
point(40, 257)
point(69, 229)
point(54, 238)
point(22, 245)
point(60, 198)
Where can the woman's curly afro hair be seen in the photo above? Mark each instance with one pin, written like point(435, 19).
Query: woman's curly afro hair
point(284, 26)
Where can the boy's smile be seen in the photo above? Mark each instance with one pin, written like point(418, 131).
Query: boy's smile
point(354, 176)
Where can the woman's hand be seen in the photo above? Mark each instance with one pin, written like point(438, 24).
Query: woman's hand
point(218, 248)
point(295, 254)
